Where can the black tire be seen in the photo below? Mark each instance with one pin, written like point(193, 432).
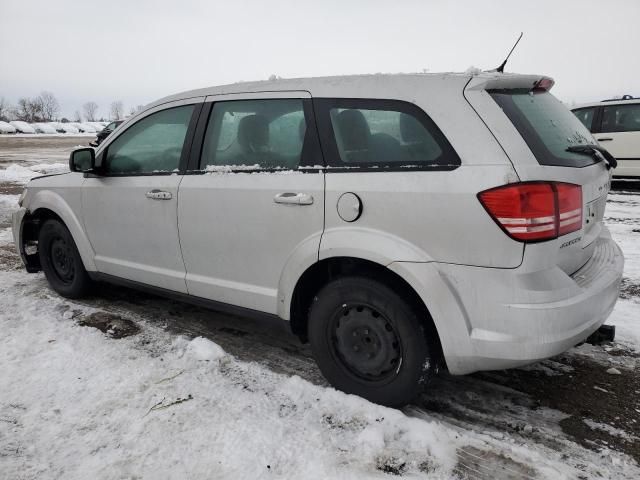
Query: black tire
point(368, 341)
point(61, 262)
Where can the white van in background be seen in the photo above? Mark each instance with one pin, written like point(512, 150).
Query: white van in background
point(615, 124)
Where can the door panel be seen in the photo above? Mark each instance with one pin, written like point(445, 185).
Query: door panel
point(134, 236)
point(130, 209)
point(251, 207)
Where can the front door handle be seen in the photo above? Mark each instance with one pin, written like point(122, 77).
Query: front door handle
point(292, 198)
point(604, 139)
point(159, 195)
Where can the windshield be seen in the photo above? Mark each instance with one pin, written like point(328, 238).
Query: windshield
point(547, 126)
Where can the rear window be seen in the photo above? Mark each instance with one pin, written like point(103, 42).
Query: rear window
point(546, 125)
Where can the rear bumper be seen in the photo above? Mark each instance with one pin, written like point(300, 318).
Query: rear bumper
point(507, 318)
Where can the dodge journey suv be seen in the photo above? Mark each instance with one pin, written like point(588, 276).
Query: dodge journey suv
point(399, 223)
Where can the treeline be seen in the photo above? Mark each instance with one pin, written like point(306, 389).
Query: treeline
point(46, 108)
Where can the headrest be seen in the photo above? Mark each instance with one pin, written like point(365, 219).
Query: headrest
point(354, 130)
point(253, 132)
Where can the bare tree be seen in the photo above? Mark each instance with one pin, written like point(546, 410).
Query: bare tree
point(77, 117)
point(49, 106)
point(5, 109)
point(90, 109)
point(28, 109)
point(117, 110)
point(136, 109)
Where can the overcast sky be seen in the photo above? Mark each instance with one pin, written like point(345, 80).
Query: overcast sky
point(139, 50)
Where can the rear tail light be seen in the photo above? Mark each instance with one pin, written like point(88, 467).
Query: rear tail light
point(535, 211)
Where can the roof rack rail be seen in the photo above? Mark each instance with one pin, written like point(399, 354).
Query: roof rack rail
point(624, 97)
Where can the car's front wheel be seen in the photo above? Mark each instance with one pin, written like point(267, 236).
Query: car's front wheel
point(61, 262)
point(367, 340)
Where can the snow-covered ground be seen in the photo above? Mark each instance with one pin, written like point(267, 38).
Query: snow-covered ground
point(126, 385)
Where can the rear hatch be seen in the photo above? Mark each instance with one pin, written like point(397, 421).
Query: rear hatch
point(538, 133)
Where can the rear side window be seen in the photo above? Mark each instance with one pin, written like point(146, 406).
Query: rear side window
point(153, 144)
point(265, 134)
point(585, 115)
point(621, 118)
point(546, 125)
point(363, 133)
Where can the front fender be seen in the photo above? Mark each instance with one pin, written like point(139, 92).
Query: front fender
point(50, 200)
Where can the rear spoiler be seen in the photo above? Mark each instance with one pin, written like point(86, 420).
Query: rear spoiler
point(499, 81)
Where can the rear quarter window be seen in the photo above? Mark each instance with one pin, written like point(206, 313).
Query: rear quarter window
point(381, 135)
point(546, 125)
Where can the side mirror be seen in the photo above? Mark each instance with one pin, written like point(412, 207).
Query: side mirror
point(82, 160)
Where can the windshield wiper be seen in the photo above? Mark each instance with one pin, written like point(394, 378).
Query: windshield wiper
point(597, 152)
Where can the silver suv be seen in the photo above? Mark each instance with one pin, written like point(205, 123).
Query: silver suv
point(398, 222)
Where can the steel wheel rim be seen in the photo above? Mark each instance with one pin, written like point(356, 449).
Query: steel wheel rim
point(62, 261)
point(365, 342)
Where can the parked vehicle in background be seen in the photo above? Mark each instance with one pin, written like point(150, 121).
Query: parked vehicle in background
point(43, 128)
point(22, 127)
point(105, 132)
point(65, 127)
point(83, 127)
point(97, 125)
point(398, 222)
point(615, 124)
point(6, 127)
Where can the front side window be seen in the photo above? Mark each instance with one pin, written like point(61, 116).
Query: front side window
point(585, 115)
point(546, 125)
point(383, 134)
point(152, 145)
point(261, 134)
point(621, 118)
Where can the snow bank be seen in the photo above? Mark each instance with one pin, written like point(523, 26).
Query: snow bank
point(19, 174)
point(78, 404)
point(204, 349)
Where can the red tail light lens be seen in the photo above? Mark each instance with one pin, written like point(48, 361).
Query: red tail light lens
point(569, 208)
point(535, 211)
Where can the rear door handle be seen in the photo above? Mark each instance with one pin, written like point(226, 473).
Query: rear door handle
point(292, 198)
point(159, 195)
point(604, 139)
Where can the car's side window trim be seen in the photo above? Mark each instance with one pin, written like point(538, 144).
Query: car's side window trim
point(322, 107)
point(311, 156)
point(186, 146)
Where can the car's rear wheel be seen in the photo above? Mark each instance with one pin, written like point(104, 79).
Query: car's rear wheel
point(61, 262)
point(368, 341)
